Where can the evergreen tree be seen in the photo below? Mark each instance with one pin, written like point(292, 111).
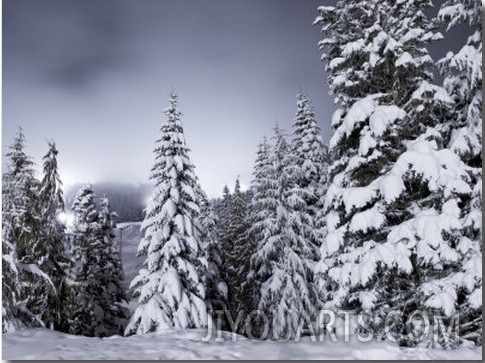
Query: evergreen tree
point(216, 287)
point(11, 306)
point(224, 212)
point(257, 213)
point(49, 249)
point(387, 178)
point(285, 254)
point(94, 296)
point(238, 255)
point(463, 81)
point(222, 224)
point(310, 153)
point(312, 158)
point(20, 231)
point(82, 309)
point(171, 287)
point(113, 296)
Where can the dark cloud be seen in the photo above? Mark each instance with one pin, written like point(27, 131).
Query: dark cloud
point(61, 40)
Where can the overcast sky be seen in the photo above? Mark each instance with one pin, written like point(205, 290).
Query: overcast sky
point(95, 75)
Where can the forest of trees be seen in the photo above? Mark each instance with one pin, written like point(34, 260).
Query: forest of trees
point(68, 280)
point(385, 218)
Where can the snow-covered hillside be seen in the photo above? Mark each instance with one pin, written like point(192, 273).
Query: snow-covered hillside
point(188, 344)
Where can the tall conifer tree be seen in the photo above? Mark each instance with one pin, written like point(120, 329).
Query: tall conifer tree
point(20, 233)
point(113, 297)
point(239, 254)
point(389, 161)
point(50, 247)
point(285, 253)
point(171, 288)
point(83, 308)
point(463, 134)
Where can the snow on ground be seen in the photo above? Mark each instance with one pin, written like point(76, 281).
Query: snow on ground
point(187, 344)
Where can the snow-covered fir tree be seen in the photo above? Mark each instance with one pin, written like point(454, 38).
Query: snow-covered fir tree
point(170, 289)
point(20, 233)
point(238, 253)
point(113, 297)
point(222, 223)
point(82, 311)
point(94, 305)
point(285, 253)
point(257, 213)
point(312, 158)
point(223, 215)
point(50, 247)
point(310, 153)
point(11, 300)
point(216, 287)
point(393, 197)
point(463, 81)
